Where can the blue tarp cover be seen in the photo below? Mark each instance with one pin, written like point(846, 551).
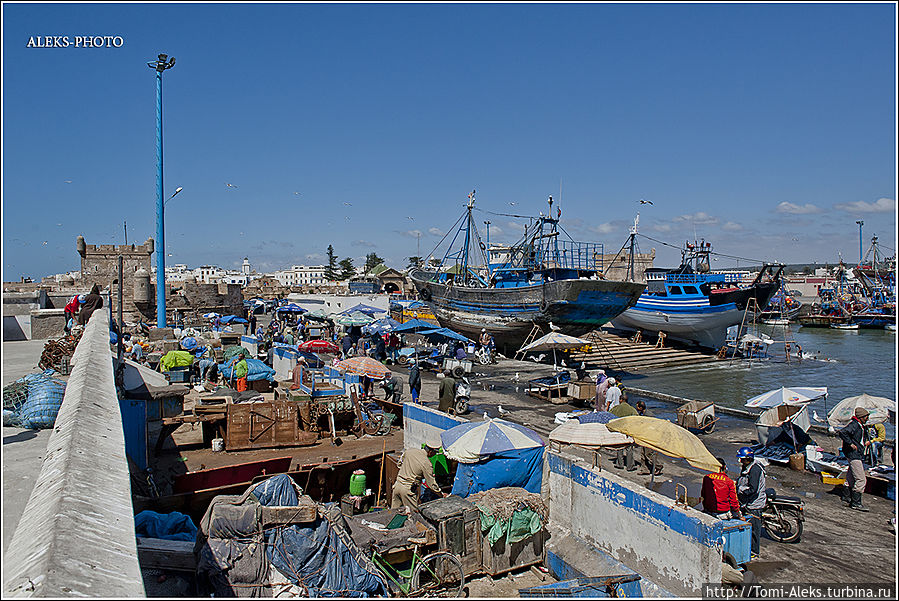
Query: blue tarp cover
point(258, 371)
point(522, 468)
point(324, 559)
point(170, 526)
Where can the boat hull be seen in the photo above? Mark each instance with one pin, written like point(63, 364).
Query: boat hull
point(694, 320)
point(509, 314)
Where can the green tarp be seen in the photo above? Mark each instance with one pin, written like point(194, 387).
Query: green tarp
point(176, 359)
point(522, 524)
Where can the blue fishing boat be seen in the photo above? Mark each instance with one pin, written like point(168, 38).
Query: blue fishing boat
point(539, 280)
point(694, 306)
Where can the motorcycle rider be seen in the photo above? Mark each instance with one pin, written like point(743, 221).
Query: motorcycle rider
point(751, 493)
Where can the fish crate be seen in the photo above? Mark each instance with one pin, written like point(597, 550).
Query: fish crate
point(737, 536)
point(697, 416)
point(179, 375)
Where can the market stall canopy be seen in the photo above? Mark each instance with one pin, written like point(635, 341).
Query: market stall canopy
point(471, 442)
point(666, 437)
point(555, 341)
point(878, 410)
point(367, 309)
point(318, 315)
point(291, 308)
point(364, 366)
point(414, 324)
point(356, 318)
point(381, 326)
point(443, 334)
point(590, 435)
point(319, 346)
point(786, 396)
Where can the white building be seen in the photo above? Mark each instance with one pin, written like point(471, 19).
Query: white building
point(301, 275)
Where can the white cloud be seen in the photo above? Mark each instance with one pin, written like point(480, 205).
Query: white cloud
point(363, 243)
point(882, 205)
point(603, 228)
point(496, 230)
point(410, 233)
point(700, 218)
point(794, 209)
point(315, 256)
point(731, 226)
point(662, 227)
point(435, 231)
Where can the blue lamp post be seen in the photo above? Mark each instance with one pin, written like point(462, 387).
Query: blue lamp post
point(162, 63)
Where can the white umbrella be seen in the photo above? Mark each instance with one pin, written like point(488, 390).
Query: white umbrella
point(554, 341)
point(878, 409)
point(787, 396)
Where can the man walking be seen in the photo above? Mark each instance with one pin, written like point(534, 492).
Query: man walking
point(447, 392)
point(751, 494)
point(414, 382)
point(854, 447)
point(602, 384)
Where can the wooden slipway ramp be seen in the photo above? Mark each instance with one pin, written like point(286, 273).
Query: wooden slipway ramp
point(617, 352)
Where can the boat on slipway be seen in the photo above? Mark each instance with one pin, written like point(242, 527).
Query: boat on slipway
point(538, 281)
point(694, 306)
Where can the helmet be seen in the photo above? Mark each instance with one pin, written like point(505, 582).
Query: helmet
point(745, 452)
point(483, 330)
point(80, 298)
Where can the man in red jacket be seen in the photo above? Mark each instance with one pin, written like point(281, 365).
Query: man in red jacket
point(719, 494)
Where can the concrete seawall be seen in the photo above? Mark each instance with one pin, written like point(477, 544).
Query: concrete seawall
point(76, 537)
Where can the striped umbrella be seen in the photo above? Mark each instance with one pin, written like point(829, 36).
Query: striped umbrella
point(469, 443)
point(364, 366)
point(786, 396)
point(553, 341)
point(319, 346)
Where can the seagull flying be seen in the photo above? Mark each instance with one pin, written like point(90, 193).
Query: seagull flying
point(230, 185)
point(68, 181)
point(511, 204)
point(44, 243)
point(59, 225)
point(410, 218)
point(645, 202)
point(349, 204)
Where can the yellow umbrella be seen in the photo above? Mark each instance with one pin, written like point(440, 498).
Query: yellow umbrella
point(666, 437)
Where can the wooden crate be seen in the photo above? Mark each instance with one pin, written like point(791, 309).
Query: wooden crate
point(264, 425)
point(582, 391)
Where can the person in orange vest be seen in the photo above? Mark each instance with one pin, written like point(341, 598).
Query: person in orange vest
point(719, 494)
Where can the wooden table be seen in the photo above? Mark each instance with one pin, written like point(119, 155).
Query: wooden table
point(169, 424)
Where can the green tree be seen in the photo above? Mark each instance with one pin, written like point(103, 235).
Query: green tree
point(347, 270)
point(372, 260)
point(331, 268)
point(414, 262)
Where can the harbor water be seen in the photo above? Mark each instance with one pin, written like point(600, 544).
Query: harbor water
point(847, 362)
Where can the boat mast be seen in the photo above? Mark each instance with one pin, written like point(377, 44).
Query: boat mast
point(467, 240)
point(633, 242)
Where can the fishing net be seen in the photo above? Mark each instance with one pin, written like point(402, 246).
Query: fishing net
point(33, 401)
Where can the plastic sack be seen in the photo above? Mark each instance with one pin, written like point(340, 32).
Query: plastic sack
point(39, 405)
point(176, 359)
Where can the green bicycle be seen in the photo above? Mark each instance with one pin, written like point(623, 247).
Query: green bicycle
point(434, 575)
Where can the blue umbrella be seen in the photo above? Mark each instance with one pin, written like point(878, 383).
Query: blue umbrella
point(367, 309)
point(381, 326)
point(291, 308)
point(441, 333)
point(414, 324)
point(596, 417)
point(470, 442)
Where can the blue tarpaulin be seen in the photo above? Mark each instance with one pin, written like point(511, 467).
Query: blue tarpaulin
point(322, 555)
point(522, 468)
point(257, 371)
point(170, 526)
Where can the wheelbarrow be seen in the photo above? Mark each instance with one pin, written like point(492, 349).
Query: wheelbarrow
point(697, 416)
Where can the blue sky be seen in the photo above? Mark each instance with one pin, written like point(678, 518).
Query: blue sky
point(768, 129)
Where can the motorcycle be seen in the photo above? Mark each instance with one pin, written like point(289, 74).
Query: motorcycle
point(782, 517)
point(484, 355)
point(463, 395)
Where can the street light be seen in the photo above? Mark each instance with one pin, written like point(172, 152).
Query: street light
point(174, 194)
point(162, 63)
point(860, 224)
